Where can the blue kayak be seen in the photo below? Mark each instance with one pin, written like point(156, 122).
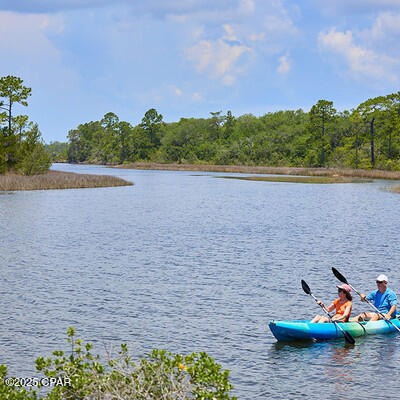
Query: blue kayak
point(295, 330)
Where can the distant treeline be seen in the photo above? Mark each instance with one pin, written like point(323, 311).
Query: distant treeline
point(366, 137)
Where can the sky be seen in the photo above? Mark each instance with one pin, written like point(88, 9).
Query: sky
point(187, 58)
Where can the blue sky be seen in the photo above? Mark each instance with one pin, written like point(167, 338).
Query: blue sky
point(84, 58)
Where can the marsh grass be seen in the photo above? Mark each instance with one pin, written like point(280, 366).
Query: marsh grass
point(296, 179)
point(58, 180)
point(333, 172)
point(396, 189)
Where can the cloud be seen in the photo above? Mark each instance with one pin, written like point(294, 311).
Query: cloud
point(218, 57)
point(384, 33)
point(29, 49)
point(360, 61)
point(284, 65)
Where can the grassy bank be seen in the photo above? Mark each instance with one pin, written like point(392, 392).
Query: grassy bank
point(396, 189)
point(296, 179)
point(58, 180)
point(332, 172)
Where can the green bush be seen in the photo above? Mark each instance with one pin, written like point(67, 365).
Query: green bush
point(160, 375)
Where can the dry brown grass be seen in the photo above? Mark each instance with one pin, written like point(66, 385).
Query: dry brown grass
point(297, 179)
point(58, 180)
point(335, 172)
point(396, 189)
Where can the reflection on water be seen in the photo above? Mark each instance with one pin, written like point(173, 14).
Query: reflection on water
point(189, 263)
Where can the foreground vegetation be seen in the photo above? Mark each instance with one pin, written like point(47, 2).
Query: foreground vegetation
point(159, 376)
point(367, 137)
point(58, 180)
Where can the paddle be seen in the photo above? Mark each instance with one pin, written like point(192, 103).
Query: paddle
point(346, 335)
point(344, 280)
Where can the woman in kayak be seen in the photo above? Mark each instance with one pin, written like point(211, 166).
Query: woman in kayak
point(342, 306)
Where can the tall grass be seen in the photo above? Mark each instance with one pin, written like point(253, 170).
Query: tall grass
point(58, 180)
point(396, 189)
point(355, 173)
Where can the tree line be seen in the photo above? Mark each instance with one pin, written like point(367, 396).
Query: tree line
point(365, 137)
point(21, 146)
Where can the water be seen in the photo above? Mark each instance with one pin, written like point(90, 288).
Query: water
point(194, 263)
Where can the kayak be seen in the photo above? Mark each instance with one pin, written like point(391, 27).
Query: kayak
point(295, 330)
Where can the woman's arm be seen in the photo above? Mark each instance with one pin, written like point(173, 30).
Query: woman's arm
point(343, 317)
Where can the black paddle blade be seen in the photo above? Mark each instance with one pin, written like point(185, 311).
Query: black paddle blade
point(305, 287)
point(339, 275)
point(348, 337)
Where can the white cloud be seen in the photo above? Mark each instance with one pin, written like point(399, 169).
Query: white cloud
point(385, 32)
point(284, 65)
point(30, 52)
point(218, 57)
point(359, 60)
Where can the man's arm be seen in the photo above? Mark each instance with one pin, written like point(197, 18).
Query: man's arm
point(388, 315)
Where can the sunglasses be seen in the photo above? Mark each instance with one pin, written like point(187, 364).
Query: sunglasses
point(378, 282)
point(341, 290)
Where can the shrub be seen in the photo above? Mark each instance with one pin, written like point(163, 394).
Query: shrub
point(161, 375)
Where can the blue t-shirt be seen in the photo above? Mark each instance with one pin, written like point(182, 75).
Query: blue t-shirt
point(383, 302)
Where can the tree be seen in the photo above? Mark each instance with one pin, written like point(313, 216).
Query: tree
point(33, 158)
point(110, 140)
point(228, 125)
point(123, 132)
point(370, 111)
point(12, 90)
point(393, 122)
point(320, 115)
point(151, 124)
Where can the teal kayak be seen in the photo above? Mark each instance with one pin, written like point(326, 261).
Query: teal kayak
point(295, 330)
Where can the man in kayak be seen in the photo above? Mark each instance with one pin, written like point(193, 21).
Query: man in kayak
point(342, 306)
point(384, 299)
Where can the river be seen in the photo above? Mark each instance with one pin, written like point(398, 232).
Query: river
point(188, 262)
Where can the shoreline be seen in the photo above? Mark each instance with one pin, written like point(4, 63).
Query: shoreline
point(333, 172)
point(52, 180)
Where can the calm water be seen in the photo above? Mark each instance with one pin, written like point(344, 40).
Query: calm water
point(193, 263)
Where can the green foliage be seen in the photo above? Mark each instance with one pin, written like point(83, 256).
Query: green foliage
point(21, 147)
point(58, 151)
point(33, 158)
point(366, 137)
point(160, 375)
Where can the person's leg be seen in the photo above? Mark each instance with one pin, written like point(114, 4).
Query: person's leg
point(376, 317)
point(315, 319)
point(365, 316)
point(323, 320)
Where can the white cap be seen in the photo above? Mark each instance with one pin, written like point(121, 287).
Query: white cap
point(382, 278)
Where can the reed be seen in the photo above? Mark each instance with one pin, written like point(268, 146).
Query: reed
point(334, 172)
point(58, 180)
point(297, 179)
point(396, 189)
